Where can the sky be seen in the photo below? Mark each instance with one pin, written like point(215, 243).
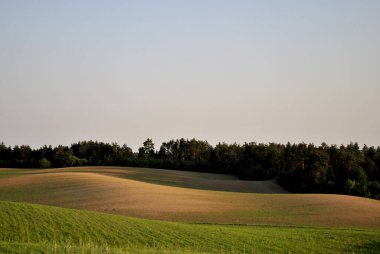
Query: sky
point(221, 71)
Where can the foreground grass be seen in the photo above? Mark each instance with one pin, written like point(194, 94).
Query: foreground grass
point(29, 228)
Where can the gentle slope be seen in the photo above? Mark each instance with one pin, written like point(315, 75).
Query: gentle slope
point(25, 227)
point(109, 193)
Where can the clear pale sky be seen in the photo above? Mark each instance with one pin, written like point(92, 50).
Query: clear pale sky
point(123, 71)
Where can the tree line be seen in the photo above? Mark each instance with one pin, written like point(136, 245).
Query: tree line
point(305, 168)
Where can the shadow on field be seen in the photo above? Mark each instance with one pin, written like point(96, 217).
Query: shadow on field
point(369, 247)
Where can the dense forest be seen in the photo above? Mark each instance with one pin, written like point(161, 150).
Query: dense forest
point(297, 167)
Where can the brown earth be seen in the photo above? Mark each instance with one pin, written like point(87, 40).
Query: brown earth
point(112, 192)
point(186, 179)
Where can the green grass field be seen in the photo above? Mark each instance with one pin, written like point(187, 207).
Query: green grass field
point(167, 218)
point(37, 228)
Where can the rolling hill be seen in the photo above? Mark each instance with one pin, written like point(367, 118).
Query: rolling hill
point(185, 197)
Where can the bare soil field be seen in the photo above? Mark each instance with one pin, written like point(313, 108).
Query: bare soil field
point(186, 179)
point(111, 190)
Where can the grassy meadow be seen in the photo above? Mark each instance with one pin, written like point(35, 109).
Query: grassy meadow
point(135, 210)
point(29, 227)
